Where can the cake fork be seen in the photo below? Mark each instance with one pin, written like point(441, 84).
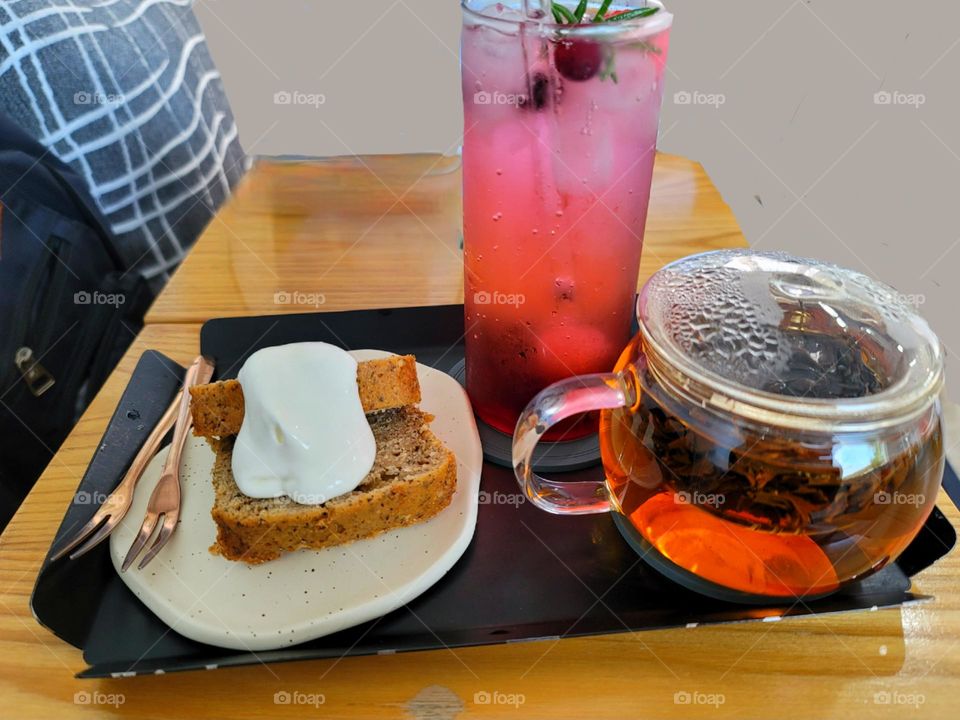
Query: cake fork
point(115, 507)
point(165, 499)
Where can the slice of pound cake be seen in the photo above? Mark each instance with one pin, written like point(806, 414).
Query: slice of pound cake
point(412, 479)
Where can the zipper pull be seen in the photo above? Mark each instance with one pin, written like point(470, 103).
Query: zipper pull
point(37, 377)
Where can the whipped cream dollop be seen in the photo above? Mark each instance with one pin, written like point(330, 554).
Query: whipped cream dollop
point(304, 432)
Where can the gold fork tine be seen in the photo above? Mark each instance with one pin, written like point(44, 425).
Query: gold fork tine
point(116, 505)
point(165, 500)
point(146, 530)
point(92, 524)
point(96, 538)
point(166, 532)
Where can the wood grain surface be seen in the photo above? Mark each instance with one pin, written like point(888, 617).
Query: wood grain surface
point(375, 232)
point(294, 219)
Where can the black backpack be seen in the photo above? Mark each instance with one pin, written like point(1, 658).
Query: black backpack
point(68, 307)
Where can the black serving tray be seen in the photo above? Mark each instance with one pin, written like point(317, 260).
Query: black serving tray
point(510, 585)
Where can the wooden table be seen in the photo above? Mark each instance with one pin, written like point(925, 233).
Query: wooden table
point(384, 232)
point(845, 665)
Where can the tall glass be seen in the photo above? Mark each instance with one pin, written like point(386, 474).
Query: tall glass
point(561, 126)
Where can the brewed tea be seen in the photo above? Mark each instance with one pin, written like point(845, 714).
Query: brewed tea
point(788, 517)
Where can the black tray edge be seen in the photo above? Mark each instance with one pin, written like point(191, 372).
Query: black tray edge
point(428, 642)
point(110, 460)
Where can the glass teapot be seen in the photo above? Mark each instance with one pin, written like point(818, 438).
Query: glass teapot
point(774, 430)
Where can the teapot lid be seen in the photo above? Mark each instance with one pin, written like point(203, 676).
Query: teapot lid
point(791, 341)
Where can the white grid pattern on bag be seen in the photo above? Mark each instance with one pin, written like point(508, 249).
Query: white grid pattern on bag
point(125, 92)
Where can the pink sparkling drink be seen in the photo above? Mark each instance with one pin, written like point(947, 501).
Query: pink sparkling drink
point(560, 136)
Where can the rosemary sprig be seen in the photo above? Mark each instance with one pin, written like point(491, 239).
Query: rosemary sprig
point(564, 16)
point(633, 14)
point(609, 67)
point(602, 12)
point(581, 9)
point(567, 15)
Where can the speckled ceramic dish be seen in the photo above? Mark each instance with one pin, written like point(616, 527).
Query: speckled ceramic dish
point(310, 593)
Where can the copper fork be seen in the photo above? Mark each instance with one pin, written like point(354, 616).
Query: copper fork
point(165, 500)
point(115, 507)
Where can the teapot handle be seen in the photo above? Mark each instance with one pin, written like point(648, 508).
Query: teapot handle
point(604, 391)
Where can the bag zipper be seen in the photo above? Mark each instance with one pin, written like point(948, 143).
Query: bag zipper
point(37, 378)
point(21, 362)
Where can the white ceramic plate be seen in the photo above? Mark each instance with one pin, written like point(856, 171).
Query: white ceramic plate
point(309, 593)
